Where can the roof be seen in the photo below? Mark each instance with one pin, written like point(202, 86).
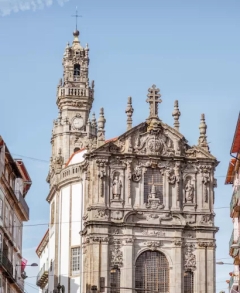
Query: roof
point(24, 173)
point(230, 175)
point(43, 243)
point(236, 139)
point(71, 157)
point(69, 162)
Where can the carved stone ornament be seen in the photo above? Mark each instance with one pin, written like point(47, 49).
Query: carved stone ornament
point(99, 239)
point(58, 161)
point(153, 245)
point(207, 219)
point(129, 241)
point(190, 258)
point(137, 174)
point(101, 214)
point(171, 175)
point(178, 243)
point(116, 253)
point(206, 244)
point(116, 215)
point(154, 142)
point(153, 233)
point(190, 219)
point(153, 201)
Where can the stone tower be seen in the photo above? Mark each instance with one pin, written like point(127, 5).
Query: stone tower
point(74, 100)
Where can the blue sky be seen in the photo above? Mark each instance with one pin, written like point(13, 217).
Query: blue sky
point(189, 49)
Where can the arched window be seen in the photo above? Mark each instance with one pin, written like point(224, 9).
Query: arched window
point(76, 70)
point(188, 282)
point(153, 177)
point(152, 272)
point(115, 280)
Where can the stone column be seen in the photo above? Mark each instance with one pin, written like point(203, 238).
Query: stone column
point(128, 261)
point(210, 268)
point(200, 273)
point(104, 265)
point(176, 274)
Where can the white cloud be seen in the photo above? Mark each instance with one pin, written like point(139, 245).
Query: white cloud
point(9, 6)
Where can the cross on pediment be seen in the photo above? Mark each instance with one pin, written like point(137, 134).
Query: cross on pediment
point(153, 100)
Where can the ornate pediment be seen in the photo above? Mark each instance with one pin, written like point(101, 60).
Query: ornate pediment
point(198, 152)
point(153, 141)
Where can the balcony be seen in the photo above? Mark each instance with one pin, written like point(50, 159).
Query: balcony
point(7, 266)
point(233, 285)
point(234, 205)
point(42, 277)
point(23, 205)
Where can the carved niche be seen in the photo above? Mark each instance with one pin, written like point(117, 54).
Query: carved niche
point(154, 142)
point(189, 190)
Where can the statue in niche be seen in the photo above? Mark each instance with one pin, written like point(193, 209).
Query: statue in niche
point(189, 191)
point(116, 186)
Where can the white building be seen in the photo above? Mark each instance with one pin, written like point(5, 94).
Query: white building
point(134, 213)
point(233, 178)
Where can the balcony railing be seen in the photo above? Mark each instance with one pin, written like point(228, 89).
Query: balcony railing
point(22, 202)
point(233, 251)
point(42, 276)
point(234, 207)
point(7, 265)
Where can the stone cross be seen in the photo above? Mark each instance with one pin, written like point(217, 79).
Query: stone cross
point(153, 100)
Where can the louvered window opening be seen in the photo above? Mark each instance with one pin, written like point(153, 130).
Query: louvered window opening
point(152, 273)
point(153, 177)
point(188, 282)
point(115, 281)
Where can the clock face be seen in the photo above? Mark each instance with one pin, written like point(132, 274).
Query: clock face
point(78, 122)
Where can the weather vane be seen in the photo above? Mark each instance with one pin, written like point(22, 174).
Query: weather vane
point(76, 16)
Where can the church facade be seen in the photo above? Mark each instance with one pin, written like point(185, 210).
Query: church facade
point(130, 214)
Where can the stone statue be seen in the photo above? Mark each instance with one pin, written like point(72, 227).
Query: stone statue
point(189, 191)
point(116, 188)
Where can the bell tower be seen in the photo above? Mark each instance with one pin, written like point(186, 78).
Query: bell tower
point(74, 100)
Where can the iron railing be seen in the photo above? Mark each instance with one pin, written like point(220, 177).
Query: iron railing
point(22, 202)
point(6, 264)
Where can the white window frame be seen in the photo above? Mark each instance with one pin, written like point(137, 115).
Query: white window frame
point(75, 260)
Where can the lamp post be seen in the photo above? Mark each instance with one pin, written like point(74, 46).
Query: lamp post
point(23, 274)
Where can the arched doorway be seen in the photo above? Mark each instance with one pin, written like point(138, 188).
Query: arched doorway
point(152, 272)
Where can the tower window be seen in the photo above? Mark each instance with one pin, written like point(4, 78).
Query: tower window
point(76, 70)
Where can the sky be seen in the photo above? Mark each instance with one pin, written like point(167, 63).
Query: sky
point(189, 49)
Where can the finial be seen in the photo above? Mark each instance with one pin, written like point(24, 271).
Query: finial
point(101, 128)
point(153, 100)
point(76, 16)
point(176, 114)
point(202, 141)
point(129, 111)
point(94, 121)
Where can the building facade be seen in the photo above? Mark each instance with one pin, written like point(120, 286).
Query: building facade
point(14, 185)
point(233, 178)
point(133, 213)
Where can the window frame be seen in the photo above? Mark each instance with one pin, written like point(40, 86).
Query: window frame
point(75, 260)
